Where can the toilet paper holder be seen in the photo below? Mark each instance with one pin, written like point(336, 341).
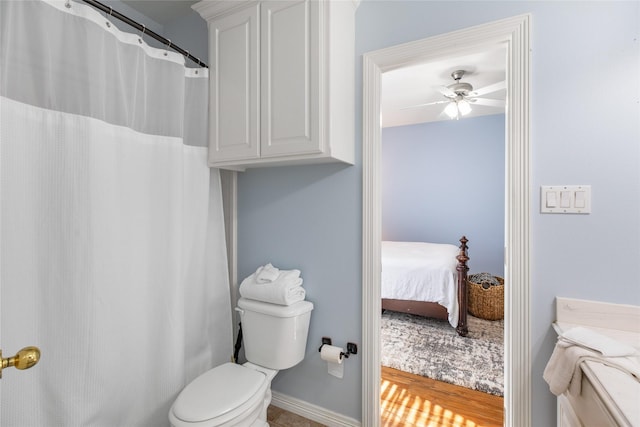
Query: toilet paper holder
point(352, 348)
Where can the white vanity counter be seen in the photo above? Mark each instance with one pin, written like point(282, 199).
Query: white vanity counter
point(609, 397)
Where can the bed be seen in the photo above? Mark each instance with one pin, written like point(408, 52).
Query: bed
point(427, 279)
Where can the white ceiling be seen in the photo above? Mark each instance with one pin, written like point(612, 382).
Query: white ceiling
point(416, 84)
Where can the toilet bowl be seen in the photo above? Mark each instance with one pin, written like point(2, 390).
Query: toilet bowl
point(227, 395)
point(238, 395)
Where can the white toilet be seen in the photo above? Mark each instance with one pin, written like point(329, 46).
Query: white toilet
point(275, 337)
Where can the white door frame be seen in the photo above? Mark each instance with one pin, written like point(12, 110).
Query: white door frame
point(514, 34)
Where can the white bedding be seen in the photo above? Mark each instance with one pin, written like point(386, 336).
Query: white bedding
point(420, 271)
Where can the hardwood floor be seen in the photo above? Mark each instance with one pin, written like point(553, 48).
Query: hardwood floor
point(412, 400)
point(415, 401)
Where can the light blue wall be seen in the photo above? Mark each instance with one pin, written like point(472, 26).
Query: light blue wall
point(130, 12)
point(591, 140)
point(445, 179)
point(585, 128)
point(308, 217)
point(190, 33)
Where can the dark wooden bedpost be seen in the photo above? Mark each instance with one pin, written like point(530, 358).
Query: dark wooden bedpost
point(462, 269)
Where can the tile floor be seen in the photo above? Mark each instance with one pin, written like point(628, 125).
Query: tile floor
point(277, 417)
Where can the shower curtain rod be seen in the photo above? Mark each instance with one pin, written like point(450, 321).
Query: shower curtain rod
point(144, 29)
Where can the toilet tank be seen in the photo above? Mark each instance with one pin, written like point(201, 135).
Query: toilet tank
point(274, 336)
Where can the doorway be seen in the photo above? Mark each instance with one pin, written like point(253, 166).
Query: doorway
point(442, 178)
point(514, 34)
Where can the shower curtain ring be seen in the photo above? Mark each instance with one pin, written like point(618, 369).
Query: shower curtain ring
point(106, 22)
point(67, 4)
point(144, 28)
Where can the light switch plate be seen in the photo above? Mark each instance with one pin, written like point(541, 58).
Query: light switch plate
point(574, 199)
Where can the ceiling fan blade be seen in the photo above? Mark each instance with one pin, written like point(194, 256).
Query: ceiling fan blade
point(489, 89)
point(424, 105)
point(447, 92)
point(488, 102)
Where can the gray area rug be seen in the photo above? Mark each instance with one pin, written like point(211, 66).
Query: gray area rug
point(432, 348)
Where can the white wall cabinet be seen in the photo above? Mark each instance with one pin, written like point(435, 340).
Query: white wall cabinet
point(281, 81)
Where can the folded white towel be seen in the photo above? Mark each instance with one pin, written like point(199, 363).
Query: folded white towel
point(563, 371)
point(267, 273)
point(286, 289)
point(589, 338)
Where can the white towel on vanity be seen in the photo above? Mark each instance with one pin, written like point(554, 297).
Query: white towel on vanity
point(563, 371)
point(285, 289)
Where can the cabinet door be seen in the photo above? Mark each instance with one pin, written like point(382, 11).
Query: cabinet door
point(290, 91)
point(234, 86)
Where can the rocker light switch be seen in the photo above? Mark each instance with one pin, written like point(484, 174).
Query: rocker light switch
point(551, 199)
point(565, 199)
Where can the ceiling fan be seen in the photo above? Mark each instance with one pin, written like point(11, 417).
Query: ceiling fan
point(460, 96)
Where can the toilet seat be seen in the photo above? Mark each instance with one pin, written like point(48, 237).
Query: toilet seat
point(219, 395)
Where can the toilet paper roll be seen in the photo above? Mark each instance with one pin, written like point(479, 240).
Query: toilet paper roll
point(331, 354)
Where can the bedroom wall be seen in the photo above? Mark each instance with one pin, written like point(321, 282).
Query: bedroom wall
point(442, 180)
point(582, 131)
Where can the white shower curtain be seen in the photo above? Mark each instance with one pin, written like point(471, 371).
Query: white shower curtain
point(112, 254)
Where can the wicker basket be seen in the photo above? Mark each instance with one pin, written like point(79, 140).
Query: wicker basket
point(486, 303)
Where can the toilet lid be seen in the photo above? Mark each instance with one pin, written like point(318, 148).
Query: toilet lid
point(218, 392)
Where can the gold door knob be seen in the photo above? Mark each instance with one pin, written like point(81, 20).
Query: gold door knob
point(24, 359)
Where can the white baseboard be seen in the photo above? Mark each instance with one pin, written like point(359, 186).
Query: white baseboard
point(312, 412)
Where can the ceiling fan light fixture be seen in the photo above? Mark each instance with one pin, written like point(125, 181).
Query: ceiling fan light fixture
point(464, 107)
point(461, 96)
point(451, 110)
